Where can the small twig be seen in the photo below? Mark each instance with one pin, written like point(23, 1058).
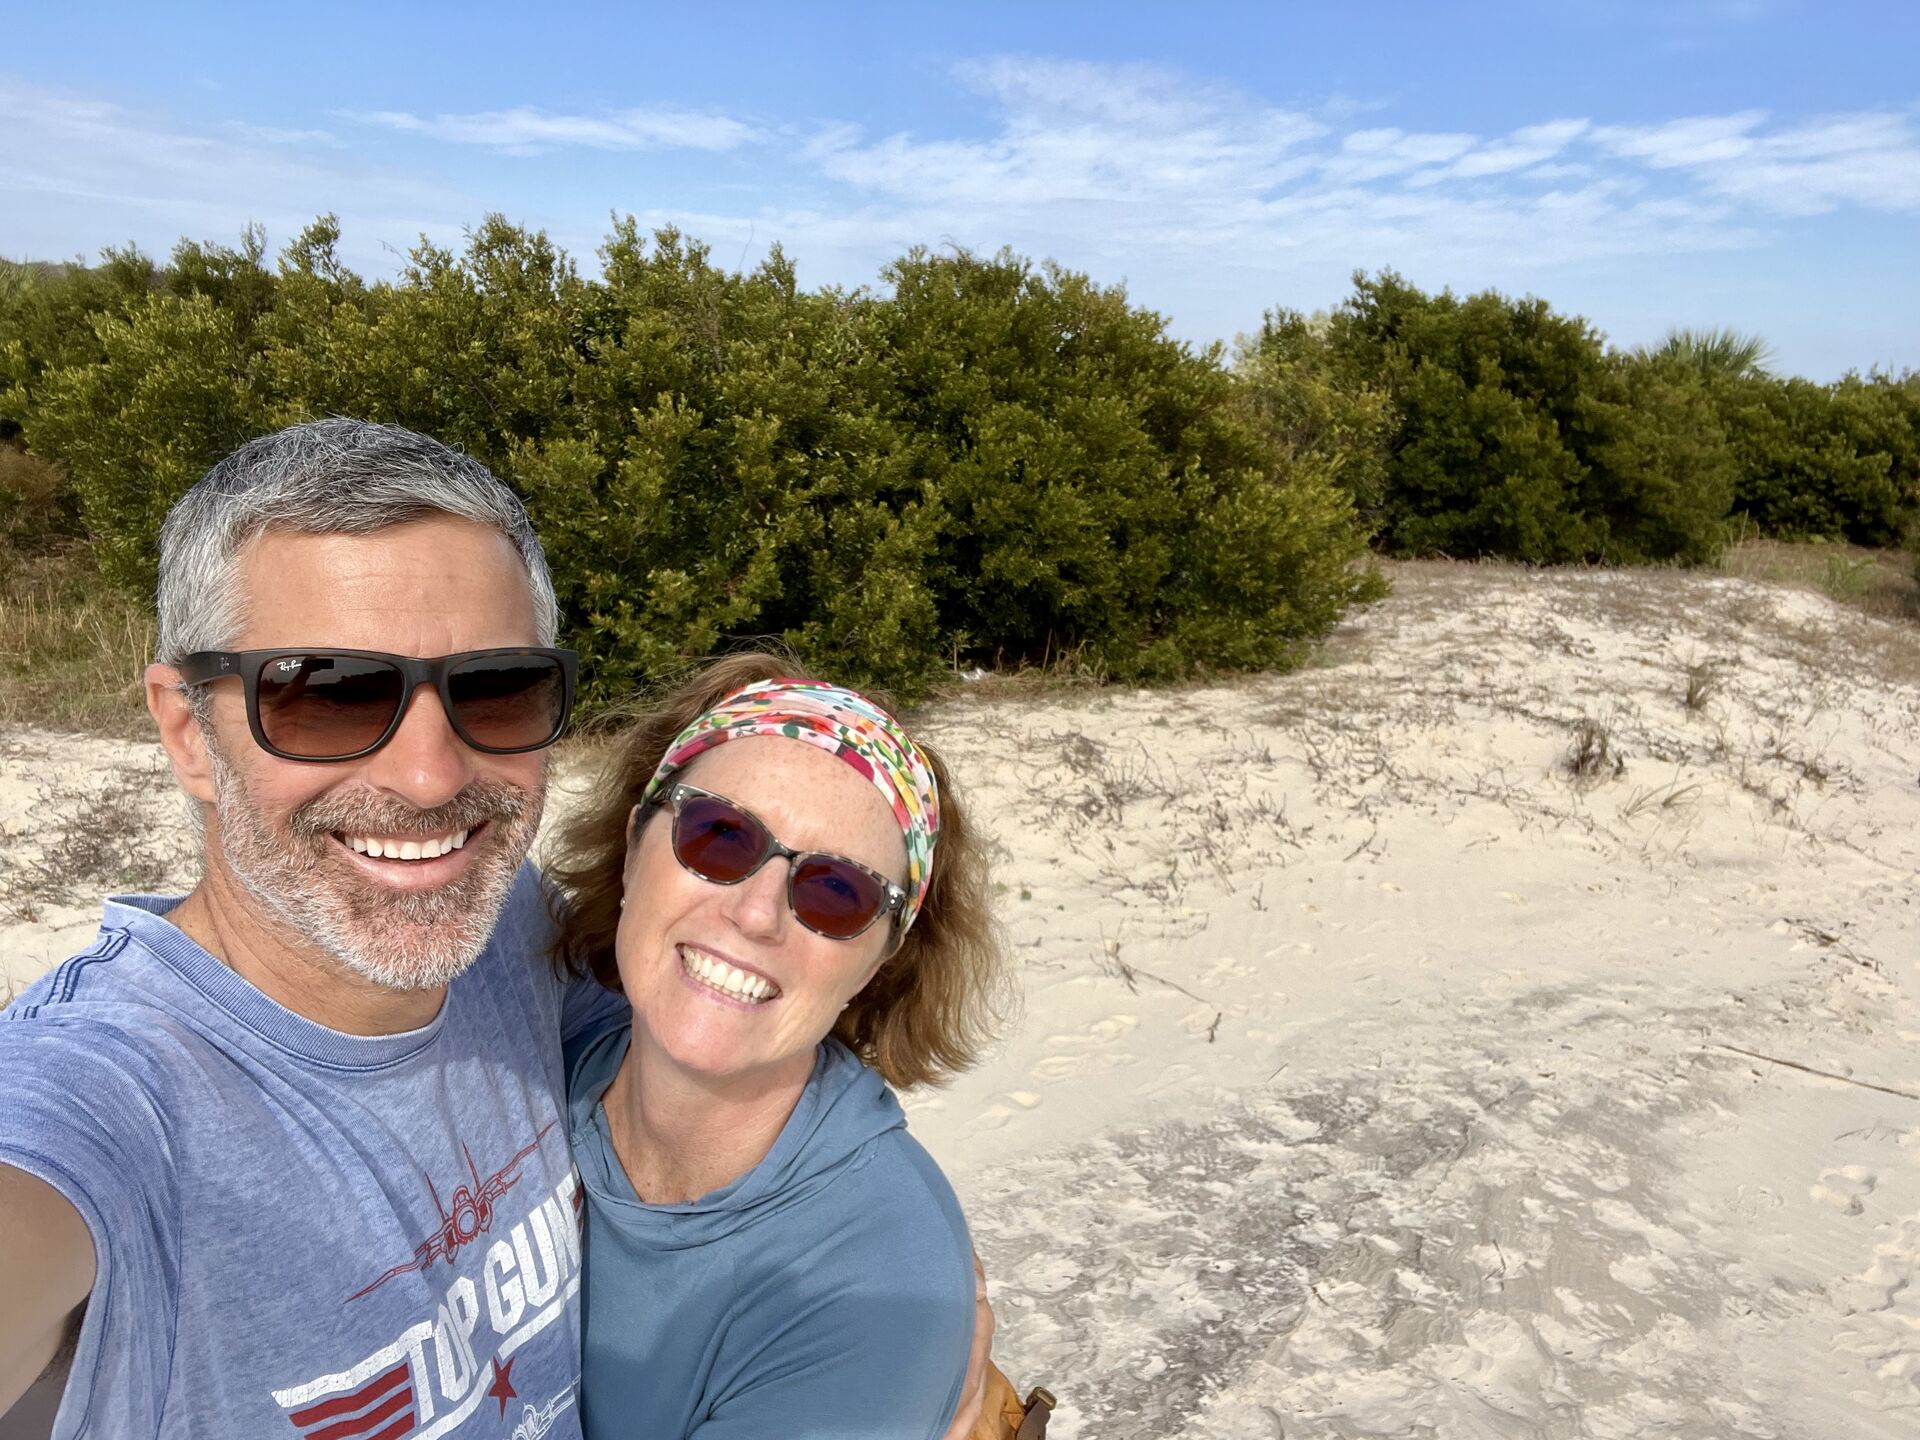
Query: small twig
point(1214, 1027)
point(1823, 1074)
point(1170, 984)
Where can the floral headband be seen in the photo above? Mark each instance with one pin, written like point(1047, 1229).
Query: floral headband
point(847, 725)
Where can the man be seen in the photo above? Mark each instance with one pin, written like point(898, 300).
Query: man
point(283, 1157)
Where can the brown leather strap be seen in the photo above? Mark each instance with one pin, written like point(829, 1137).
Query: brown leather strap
point(1040, 1405)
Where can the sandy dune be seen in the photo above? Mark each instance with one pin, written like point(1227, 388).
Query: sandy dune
point(1377, 1076)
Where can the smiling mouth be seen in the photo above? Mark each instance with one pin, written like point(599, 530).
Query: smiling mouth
point(724, 979)
point(405, 848)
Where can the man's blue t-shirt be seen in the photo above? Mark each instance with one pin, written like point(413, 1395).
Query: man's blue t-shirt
point(298, 1232)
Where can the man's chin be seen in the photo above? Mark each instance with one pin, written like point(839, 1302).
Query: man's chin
point(407, 964)
point(418, 939)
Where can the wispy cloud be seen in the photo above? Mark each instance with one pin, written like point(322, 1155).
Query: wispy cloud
point(1871, 160)
point(1134, 167)
point(524, 130)
point(1206, 200)
point(1138, 166)
point(77, 172)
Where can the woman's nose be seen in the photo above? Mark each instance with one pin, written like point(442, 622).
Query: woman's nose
point(758, 903)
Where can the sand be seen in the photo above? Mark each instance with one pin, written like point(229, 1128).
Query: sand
point(1376, 1076)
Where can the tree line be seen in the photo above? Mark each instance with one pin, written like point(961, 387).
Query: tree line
point(982, 460)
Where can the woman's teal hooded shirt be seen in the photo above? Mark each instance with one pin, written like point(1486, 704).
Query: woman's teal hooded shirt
point(828, 1292)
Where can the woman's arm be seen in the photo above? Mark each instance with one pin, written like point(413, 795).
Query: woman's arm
point(973, 1390)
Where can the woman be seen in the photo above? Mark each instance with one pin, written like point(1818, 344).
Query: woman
point(783, 885)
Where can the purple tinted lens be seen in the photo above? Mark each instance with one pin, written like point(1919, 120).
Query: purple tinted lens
point(718, 841)
point(834, 897)
point(322, 707)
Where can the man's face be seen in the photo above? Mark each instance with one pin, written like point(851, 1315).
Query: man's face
point(286, 829)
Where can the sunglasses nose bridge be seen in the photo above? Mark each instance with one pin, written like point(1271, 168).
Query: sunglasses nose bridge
point(759, 901)
point(424, 760)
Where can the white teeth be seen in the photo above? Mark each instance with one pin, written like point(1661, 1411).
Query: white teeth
point(727, 979)
point(430, 848)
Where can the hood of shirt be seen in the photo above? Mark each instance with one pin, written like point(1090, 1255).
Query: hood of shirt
point(843, 1110)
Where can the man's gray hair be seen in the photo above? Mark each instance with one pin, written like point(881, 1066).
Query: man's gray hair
point(327, 477)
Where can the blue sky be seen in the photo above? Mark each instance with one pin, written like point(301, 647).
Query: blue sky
point(1752, 163)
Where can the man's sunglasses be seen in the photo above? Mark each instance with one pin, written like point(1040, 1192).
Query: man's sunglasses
point(343, 704)
point(725, 843)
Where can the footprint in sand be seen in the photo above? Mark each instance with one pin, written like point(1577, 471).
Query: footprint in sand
point(1845, 1188)
point(1882, 1309)
point(1088, 1052)
point(1004, 1108)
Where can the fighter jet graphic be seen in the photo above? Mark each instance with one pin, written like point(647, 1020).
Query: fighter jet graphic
point(535, 1423)
point(468, 1217)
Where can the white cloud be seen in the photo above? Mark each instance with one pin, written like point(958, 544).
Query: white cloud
point(1207, 201)
point(273, 135)
point(1869, 160)
point(1132, 170)
point(77, 173)
point(1524, 148)
point(1081, 133)
point(524, 130)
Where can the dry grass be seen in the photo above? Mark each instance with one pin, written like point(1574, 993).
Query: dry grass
point(102, 837)
point(1592, 753)
point(72, 647)
point(1880, 583)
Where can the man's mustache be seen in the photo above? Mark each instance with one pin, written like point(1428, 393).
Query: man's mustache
point(365, 812)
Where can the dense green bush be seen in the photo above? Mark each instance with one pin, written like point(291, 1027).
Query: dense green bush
point(1834, 462)
point(983, 460)
point(992, 461)
point(1319, 414)
point(1515, 432)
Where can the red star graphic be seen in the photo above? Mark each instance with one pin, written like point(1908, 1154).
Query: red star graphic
point(502, 1387)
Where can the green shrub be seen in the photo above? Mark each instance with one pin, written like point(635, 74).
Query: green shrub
point(1516, 434)
point(47, 317)
point(990, 461)
point(1659, 474)
point(1835, 462)
point(1319, 417)
point(169, 397)
point(1101, 489)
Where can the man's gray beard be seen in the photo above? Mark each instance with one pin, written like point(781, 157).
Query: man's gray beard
point(403, 941)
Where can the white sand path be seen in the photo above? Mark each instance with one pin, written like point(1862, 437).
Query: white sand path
point(1376, 1077)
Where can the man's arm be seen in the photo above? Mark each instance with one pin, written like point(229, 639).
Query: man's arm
point(49, 1258)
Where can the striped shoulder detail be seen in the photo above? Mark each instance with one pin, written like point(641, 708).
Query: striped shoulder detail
point(66, 979)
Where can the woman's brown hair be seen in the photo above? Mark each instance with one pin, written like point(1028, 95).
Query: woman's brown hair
point(934, 1002)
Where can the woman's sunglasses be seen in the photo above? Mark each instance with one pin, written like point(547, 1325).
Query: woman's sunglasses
point(343, 704)
point(725, 843)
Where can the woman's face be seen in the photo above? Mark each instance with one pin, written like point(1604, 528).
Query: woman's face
point(682, 938)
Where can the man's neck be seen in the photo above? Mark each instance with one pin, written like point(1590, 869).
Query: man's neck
point(679, 1138)
point(225, 922)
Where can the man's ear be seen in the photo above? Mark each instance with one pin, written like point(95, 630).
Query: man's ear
point(181, 734)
